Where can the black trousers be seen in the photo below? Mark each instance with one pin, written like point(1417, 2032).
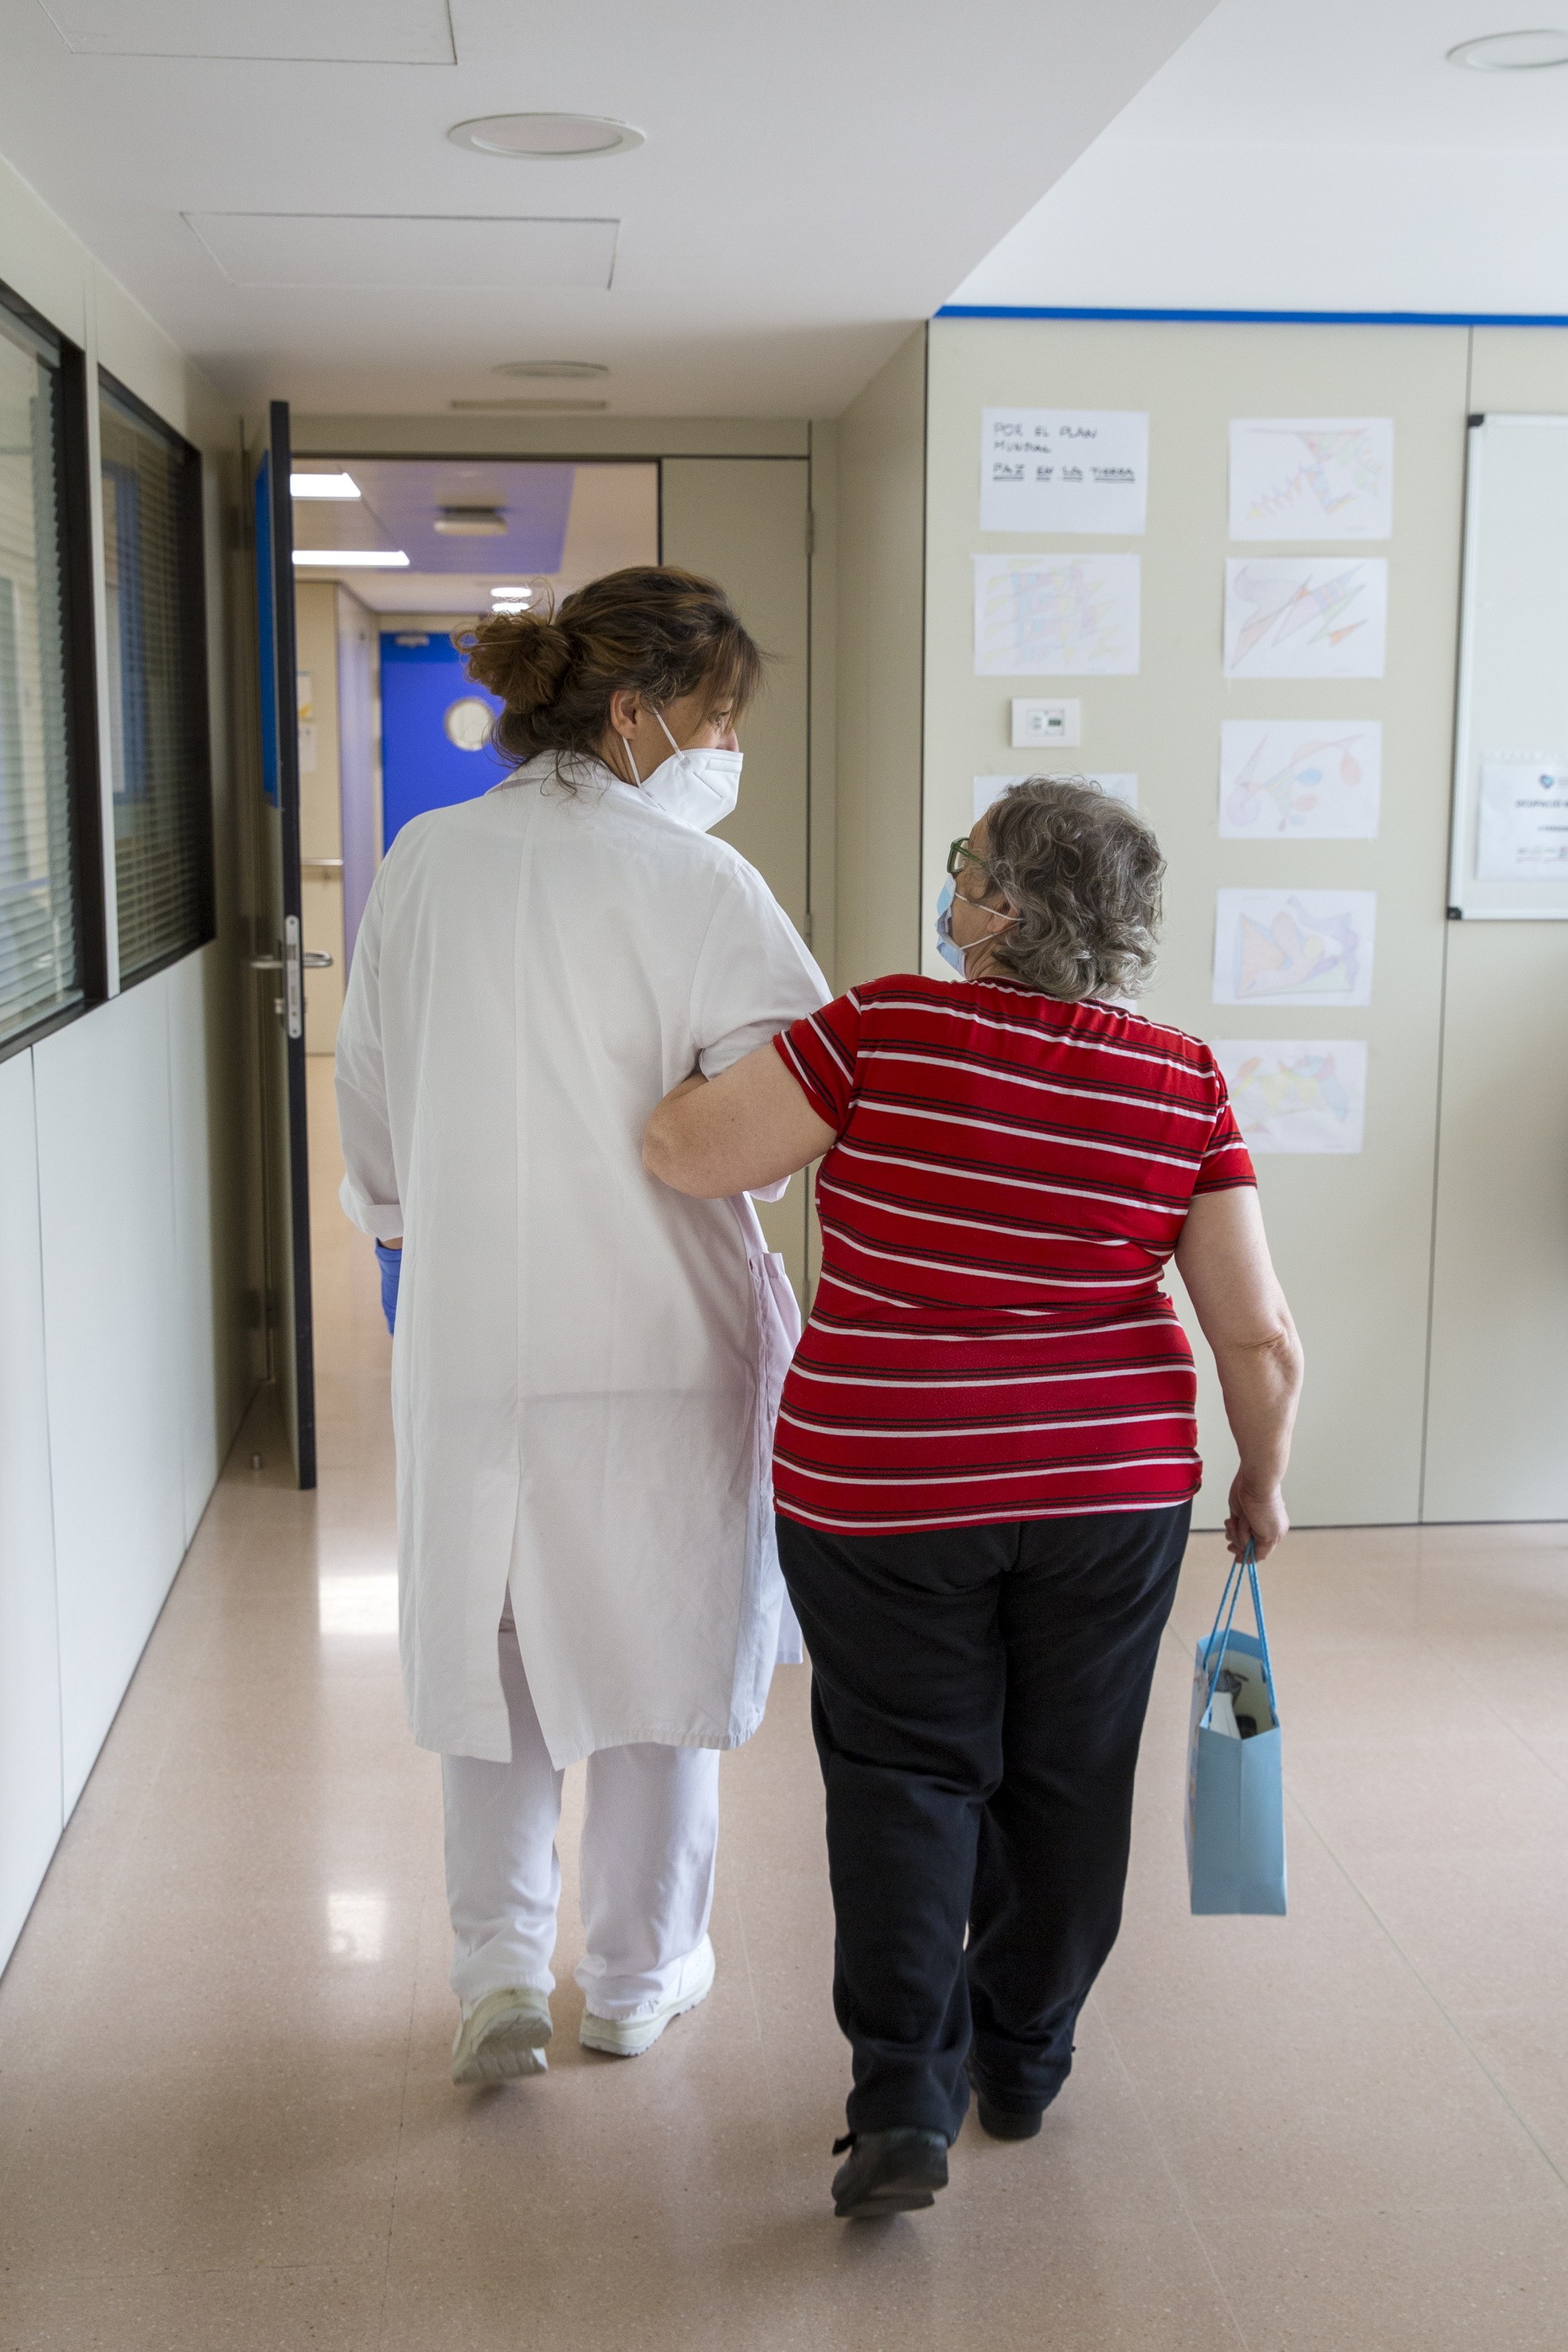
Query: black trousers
point(978, 1696)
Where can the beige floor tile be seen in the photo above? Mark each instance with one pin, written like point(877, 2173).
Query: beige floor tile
point(1393, 2280)
point(1482, 1930)
point(1526, 2053)
point(1485, 1794)
point(1257, 2110)
point(332, 2307)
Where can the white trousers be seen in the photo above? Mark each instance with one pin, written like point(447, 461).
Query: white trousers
point(645, 1867)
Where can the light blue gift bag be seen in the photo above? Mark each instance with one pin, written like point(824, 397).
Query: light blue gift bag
point(1235, 1813)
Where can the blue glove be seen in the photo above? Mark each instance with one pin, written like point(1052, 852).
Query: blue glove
point(391, 1261)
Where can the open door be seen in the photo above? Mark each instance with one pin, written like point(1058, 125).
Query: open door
point(279, 973)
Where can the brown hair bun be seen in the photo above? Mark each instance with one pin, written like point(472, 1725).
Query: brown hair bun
point(652, 629)
point(520, 656)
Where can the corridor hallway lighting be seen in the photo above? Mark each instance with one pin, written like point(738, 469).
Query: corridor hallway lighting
point(354, 558)
point(324, 486)
point(546, 138)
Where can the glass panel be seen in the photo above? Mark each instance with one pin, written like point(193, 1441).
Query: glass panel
point(156, 695)
point(39, 974)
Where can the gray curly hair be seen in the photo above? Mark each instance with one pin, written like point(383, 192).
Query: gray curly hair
point(1082, 872)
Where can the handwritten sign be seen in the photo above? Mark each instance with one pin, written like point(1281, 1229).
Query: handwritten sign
point(1064, 469)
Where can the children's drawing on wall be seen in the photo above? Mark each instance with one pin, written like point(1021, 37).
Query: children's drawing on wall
point(1291, 1096)
point(1055, 616)
point(1294, 947)
point(1294, 477)
point(1299, 779)
point(1305, 615)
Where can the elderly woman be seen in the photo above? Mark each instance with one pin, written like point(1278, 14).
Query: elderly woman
point(985, 1457)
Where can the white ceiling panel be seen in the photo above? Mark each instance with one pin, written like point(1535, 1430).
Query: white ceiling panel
point(815, 180)
point(409, 252)
point(304, 32)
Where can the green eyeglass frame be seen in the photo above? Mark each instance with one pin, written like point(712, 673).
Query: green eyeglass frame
point(960, 854)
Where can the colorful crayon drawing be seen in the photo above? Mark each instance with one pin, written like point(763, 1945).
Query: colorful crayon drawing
point(1055, 616)
point(1305, 617)
point(1293, 1097)
point(1297, 478)
point(1289, 947)
point(1299, 779)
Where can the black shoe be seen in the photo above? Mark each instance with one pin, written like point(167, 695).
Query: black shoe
point(1004, 2123)
point(889, 2172)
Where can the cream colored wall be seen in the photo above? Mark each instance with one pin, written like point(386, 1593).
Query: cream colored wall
point(1352, 1235)
point(1498, 1435)
point(880, 530)
point(321, 810)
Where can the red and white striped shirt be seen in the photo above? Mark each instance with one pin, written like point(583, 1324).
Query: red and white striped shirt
point(989, 1339)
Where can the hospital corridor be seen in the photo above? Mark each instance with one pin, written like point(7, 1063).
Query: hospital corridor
point(784, 1177)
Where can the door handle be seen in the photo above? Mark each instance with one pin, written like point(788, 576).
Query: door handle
point(293, 961)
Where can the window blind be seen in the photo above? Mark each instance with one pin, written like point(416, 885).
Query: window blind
point(39, 958)
point(157, 696)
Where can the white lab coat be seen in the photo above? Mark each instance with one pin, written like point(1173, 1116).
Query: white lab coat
point(587, 1365)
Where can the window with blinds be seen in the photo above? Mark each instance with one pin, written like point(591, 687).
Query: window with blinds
point(157, 685)
point(39, 917)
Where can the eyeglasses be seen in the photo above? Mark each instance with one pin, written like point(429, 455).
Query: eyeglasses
point(960, 854)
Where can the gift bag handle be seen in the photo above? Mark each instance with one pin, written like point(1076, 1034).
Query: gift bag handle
point(1215, 1647)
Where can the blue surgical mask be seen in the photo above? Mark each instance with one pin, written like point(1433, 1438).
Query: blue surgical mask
point(946, 944)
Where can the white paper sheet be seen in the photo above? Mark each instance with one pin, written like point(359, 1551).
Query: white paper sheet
point(1291, 1096)
point(1524, 828)
point(1064, 469)
point(1122, 788)
point(1294, 947)
point(1305, 615)
point(1055, 616)
point(1299, 779)
point(1295, 477)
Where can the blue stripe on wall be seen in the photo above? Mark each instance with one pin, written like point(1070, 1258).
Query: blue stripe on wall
point(1268, 318)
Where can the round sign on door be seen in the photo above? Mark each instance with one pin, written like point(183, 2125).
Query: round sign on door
point(468, 722)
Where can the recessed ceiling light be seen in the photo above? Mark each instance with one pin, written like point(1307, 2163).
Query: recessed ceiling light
point(472, 523)
point(324, 486)
point(546, 138)
point(1512, 52)
point(354, 558)
point(551, 407)
point(554, 371)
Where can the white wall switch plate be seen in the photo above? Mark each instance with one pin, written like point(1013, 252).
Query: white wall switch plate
point(1046, 723)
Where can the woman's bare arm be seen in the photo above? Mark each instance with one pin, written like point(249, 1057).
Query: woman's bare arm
point(712, 1137)
point(1223, 1259)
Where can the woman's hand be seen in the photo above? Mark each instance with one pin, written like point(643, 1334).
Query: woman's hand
point(1257, 1516)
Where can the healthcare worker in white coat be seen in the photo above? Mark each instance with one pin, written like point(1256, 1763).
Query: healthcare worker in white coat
point(587, 1364)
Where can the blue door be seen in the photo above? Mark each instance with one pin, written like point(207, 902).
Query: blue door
point(434, 747)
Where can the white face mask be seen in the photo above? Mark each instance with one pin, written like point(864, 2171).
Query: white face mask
point(695, 787)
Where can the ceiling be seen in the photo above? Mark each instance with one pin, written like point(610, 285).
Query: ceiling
point(815, 178)
point(1314, 154)
point(564, 524)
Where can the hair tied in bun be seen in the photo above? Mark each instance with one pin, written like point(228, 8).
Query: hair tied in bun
point(521, 658)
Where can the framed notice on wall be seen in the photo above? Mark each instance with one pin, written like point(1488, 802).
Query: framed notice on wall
point(1509, 850)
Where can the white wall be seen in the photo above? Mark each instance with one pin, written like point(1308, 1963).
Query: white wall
point(31, 1808)
point(124, 1359)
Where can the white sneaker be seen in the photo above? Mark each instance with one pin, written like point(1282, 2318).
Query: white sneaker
point(628, 2037)
point(502, 2037)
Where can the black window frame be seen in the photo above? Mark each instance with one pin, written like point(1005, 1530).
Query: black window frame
point(192, 607)
point(84, 782)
